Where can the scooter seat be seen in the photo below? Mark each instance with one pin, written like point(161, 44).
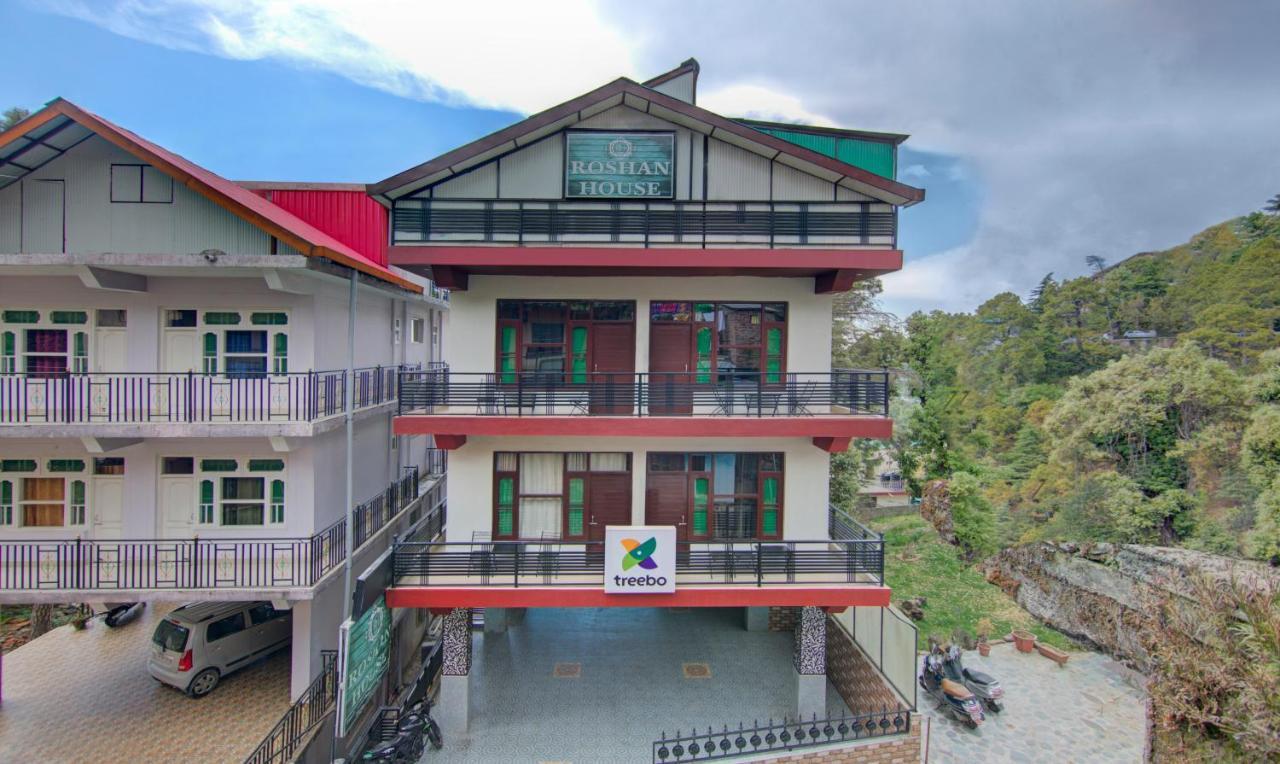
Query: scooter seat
point(955, 689)
point(979, 677)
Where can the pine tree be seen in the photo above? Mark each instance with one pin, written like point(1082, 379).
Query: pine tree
point(1272, 207)
point(1096, 264)
point(12, 117)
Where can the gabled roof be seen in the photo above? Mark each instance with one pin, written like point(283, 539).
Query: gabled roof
point(35, 135)
point(631, 93)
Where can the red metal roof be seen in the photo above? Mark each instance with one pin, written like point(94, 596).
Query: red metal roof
point(347, 214)
point(276, 220)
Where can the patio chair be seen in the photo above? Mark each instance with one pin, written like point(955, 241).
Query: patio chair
point(548, 556)
point(799, 398)
point(480, 556)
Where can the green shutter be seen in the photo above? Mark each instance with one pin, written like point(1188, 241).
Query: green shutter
point(77, 492)
point(281, 359)
point(66, 465)
point(579, 349)
point(7, 343)
point(222, 319)
point(577, 509)
point(266, 465)
point(264, 319)
point(206, 491)
point(773, 355)
point(69, 317)
point(700, 506)
point(18, 465)
point(6, 492)
point(210, 353)
point(218, 465)
point(703, 362)
point(508, 354)
point(21, 317)
point(506, 506)
point(277, 491)
point(770, 523)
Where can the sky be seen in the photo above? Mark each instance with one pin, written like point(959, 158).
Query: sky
point(1042, 132)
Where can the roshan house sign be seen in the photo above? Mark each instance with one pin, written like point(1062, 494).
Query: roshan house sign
point(363, 657)
point(609, 165)
point(640, 559)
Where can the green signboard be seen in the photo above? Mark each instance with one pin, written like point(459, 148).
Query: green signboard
point(600, 165)
point(364, 647)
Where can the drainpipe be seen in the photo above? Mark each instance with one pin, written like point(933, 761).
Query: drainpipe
point(350, 422)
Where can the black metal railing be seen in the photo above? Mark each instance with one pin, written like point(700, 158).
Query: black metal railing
point(581, 563)
point(843, 526)
point(775, 224)
point(190, 397)
point(782, 736)
point(196, 563)
point(724, 393)
point(306, 713)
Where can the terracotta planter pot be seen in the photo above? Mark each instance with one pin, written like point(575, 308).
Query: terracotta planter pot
point(1025, 641)
point(984, 648)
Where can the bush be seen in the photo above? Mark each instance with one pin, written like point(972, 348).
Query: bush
point(972, 515)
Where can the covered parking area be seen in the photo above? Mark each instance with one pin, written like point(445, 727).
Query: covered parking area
point(601, 684)
point(85, 695)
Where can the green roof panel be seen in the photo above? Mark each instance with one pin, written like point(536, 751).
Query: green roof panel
point(873, 156)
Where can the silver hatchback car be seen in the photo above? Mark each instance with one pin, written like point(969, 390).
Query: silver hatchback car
point(196, 645)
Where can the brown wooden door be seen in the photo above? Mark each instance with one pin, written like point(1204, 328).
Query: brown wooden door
point(666, 501)
point(613, 363)
point(608, 503)
point(669, 359)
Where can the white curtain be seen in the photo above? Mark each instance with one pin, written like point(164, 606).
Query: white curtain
point(608, 462)
point(542, 475)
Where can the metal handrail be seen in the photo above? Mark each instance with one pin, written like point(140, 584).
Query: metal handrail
point(841, 392)
point(306, 713)
point(581, 563)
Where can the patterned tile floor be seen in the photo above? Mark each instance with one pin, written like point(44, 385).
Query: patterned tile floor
point(631, 688)
point(73, 696)
point(1086, 712)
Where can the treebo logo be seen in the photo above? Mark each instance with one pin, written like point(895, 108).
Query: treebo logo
point(639, 554)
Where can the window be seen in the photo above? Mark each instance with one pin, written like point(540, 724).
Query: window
point(550, 341)
point(395, 330)
point(225, 627)
point(229, 344)
point(50, 493)
point(264, 612)
point(177, 465)
point(731, 495)
point(417, 330)
point(140, 184)
point(112, 319)
point(50, 343)
point(235, 492)
point(243, 501)
point(108, 465)
point(731, 340)
point(547, 495)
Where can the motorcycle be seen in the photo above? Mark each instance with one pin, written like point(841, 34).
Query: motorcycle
point(414, 727)
point(985, 686)
point(959, 701)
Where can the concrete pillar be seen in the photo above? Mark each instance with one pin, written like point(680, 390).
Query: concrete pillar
point(301, 650)
point(810, 661)
point(495, 620)
point(757, 618)
point(454, 711)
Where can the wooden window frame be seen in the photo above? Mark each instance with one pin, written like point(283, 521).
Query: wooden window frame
point(506, 376)
point(767, 377)
point(709, 474)
point(565, 476)
point(76, 511)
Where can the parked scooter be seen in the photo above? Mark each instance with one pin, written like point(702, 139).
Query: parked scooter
point(120, 613)
point(414, 731)
point(985, 686)
point(951, 695)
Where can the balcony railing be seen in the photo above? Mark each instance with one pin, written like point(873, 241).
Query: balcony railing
point(306, 713)
point(581, 563)
point(148, 398)
point(724, 393)
point(128, 564)
point(773, 224)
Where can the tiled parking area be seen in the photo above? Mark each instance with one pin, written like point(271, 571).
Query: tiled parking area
point(1086, 712)
point(73, 696)
point(599, 685)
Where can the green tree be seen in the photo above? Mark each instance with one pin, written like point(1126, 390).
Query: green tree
point(971, 515)
point(1235, 333)
point(12, 116)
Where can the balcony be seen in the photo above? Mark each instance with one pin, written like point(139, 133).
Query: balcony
point(837, 242)
point(174, 401)
point(267, 565)
point(829, 407)
point(845, 570)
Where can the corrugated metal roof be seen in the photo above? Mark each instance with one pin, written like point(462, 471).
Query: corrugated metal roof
point(350, 216)
point(874, 156)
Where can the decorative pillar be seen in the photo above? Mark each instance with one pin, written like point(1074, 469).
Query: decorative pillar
point(454, 711)
point(810, 661)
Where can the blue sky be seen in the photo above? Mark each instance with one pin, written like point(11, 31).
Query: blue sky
point(1144, 123)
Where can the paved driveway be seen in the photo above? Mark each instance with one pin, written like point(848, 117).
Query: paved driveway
point(73, 696)
point(1084, 712)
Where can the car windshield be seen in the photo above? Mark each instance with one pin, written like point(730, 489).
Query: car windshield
point(170, 636)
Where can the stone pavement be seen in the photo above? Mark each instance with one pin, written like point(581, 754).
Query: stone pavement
point(72, 696)
point(1087, 712)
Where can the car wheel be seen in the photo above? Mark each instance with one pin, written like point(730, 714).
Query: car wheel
point(203, 683)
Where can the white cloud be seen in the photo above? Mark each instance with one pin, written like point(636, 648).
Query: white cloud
point(916, 171)
point(754, 101)
point(514, 55)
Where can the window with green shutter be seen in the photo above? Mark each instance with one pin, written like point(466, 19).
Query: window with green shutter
point(702, 360)
point(267, 319)
point(266, 465)
point(18, 465)
point(773, 355)
point(218, 465)
point(578, 353)
point(506, 507)
point(577, 507)
point(77, 503)
point(210, 353)
point(8, 353)
point(508, 355)
point(206, 502)
point(21, 317)
point(66, 465)
point(68, 317)
point(769, 522)
point(700, 525)
point(280, 358)
point(80, 353)
point(6, 502)
point(227, 318)
point(277, 501)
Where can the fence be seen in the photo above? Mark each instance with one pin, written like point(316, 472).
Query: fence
point(695, 393)
point(304, 715)
point(109, 565)
point(783, 736)
point(190, 397)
